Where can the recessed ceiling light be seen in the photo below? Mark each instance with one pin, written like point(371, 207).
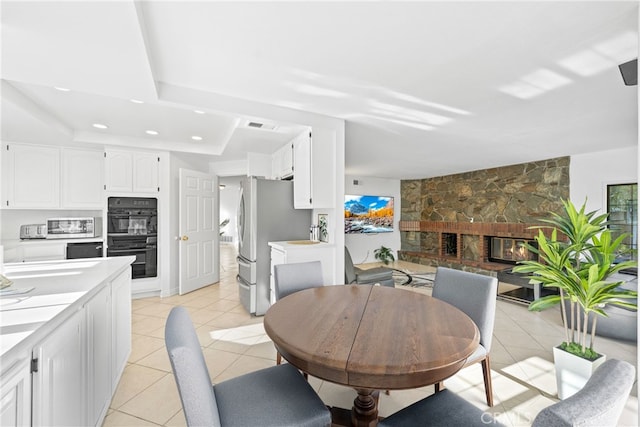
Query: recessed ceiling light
point(99, 126)
point(61, 89)
point(198, 111)
point(151, 132)
point(136, 101)
point(196, 138)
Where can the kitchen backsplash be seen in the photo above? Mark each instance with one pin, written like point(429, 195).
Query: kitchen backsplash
point(12, 219)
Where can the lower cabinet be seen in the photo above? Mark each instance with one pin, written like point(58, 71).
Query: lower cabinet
point(78, 365)
point(98, 344)
point(15, 394)
point(287, 253)
point(120, 324)
point(58, 389)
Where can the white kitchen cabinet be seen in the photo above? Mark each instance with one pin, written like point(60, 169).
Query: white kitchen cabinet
point(40, 250)
point(31, 176)
point(120, 324)
point(313, 180)
point(119, 171)
point(82, 178)
point(64, 368)
point(282, 162)
point(287, 253)
point(58, 382)
point(276, 165)
point(42, 177)
point(15, 394)
point(98, 364)
point(145, 173)
point(302, 197)
point(132, 172)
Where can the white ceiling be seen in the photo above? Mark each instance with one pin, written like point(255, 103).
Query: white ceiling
point(425, 88)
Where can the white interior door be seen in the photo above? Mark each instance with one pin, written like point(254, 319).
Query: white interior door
point(199, 235)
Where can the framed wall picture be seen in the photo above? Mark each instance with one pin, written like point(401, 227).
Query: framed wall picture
point(323, 223)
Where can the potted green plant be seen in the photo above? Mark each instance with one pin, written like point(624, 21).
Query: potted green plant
point(578, 260)
point(384, 254)
point(223, 224)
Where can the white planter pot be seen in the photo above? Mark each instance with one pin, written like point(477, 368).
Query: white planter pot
point(572, 372)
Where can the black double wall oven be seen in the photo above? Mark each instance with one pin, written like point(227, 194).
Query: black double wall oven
point(133, 230)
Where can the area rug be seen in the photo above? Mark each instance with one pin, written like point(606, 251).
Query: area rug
point(416, 280)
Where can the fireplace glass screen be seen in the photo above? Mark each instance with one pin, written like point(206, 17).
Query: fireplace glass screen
point(510, 250)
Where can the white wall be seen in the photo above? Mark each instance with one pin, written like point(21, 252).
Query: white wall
point(361, 246)
point(589, 175)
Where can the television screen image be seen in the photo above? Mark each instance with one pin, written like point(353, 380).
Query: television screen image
point(368, 214)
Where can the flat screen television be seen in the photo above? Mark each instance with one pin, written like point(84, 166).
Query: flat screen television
point(368, 214)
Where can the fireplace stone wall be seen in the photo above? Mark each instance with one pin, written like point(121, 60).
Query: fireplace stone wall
point(516, 194)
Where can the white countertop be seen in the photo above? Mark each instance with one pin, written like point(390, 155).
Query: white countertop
point(301, 244)
point(59, 288)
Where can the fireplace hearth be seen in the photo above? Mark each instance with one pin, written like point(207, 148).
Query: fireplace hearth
point(467, 245)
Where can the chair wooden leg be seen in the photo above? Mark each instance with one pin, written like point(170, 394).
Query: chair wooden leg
point(439, 386)
point(488, 388)
point(278, 358)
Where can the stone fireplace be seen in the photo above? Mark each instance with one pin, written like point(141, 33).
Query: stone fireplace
point(453, 220)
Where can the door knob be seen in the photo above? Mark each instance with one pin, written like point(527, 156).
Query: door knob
point(185, 238)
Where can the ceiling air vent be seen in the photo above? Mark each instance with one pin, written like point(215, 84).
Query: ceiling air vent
point(258, 125)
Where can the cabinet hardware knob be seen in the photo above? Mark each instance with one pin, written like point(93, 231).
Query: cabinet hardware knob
point(185, 238)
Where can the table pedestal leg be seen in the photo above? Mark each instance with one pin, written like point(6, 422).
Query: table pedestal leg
point(365, 408)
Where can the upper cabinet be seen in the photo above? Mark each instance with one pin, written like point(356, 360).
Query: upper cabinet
point(302, 194)
point(282, 162)
point(31, 176)
point(40, 176)
point(130, 171)
point(313, 181)
point(82, 178)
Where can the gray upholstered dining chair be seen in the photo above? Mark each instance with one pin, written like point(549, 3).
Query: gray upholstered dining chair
point(294, 277)
point(598, 404)
point(474, 294)
point(274, 396)
point(444, 408)
point(369, 276)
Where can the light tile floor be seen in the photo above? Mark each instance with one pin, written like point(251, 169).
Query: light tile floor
point(235, 343)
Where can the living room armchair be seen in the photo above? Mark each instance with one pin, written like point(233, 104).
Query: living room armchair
point(362, 276)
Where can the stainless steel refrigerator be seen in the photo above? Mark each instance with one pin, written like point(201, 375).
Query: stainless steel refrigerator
point(265, 214)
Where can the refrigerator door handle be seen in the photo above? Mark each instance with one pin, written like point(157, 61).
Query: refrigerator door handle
point(242, 262)
point(242, 282)
point(247, 270)
point(247, 294)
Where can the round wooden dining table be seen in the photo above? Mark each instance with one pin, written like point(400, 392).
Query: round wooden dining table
point(371, 338)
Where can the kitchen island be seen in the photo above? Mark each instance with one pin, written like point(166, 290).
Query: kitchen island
point(65, 337)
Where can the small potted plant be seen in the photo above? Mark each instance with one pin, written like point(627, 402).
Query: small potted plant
point(223, 224)
point(579, 265)
point(384, 254)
